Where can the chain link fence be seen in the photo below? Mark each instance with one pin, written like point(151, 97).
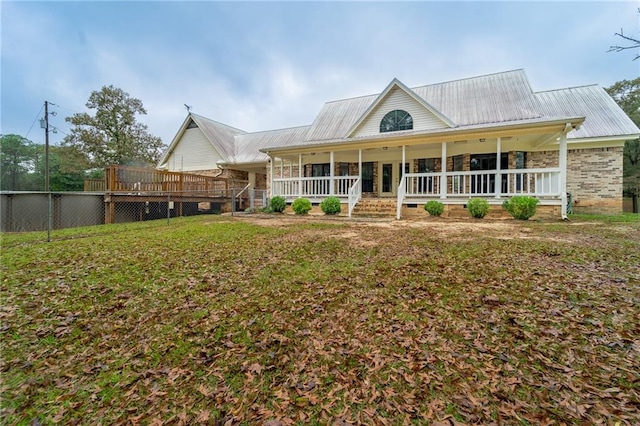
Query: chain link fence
point(49, 211)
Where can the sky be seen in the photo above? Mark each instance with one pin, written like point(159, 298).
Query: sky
point(267, 65)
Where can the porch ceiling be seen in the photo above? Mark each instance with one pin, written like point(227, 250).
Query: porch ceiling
point(529, 136)
point(430, 148)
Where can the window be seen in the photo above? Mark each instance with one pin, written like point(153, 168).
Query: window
point(521, 159)
point(426, 165)
point(318, 170)
point(367, 177)
point(396, 120)
point(426, 184)
point(457, 185)
point(344, 169)
point(457, 163)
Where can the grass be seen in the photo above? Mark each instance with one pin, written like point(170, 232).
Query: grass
point(214, 319)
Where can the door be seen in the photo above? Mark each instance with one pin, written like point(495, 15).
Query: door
point(387, 187)
point(390, 175)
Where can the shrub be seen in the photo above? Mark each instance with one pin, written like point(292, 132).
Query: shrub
point(278, 204)
point(478, 207)
point(331, 205)
point(521, 207)
point(267, 209)
point(301, 206)
point(250, 210)
point(434, 208)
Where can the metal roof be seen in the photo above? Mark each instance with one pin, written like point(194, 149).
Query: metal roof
point(487, 101)
point(603, 117)
point(220, 135)
point(493, 98)
point(248, 145)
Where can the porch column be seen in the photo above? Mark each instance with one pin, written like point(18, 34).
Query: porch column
point(563, 173)
point(331, 173)
point(271, 170)
point(443, 172)
point(300, 175)
point(281, 168)
point(404, 159)
point(360, 163)
point(498, 168)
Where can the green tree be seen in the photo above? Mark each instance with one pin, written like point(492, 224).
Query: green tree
point(18, 157)
point(67, 168)
point(627, 94)
point(113, 136)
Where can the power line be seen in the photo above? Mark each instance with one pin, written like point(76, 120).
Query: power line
point(34, 122)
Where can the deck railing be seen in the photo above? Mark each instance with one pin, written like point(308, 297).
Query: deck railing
point(122, 179)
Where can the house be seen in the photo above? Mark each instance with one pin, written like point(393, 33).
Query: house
point(490, 136)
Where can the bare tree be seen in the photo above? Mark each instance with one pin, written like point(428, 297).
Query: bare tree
point(634, 43)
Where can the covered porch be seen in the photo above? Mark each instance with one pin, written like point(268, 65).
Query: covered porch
point(412, 172)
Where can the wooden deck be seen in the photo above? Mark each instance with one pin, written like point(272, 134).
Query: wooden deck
point(139, 185)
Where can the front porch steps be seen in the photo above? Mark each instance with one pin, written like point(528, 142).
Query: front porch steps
point(376, 207)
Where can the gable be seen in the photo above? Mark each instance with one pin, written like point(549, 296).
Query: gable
point(193, 152)
point(398, 99)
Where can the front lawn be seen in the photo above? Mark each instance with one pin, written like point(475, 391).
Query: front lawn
point(285, 320)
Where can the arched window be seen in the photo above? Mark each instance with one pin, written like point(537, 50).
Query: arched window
point(396, 120)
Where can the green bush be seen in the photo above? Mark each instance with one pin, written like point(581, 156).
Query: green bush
point(478, 207)
point(250, 210)
point(521, 207)
point(266, 209)
point(278, 204)
point(331, 205)
point(301, 206)
point(434, 208)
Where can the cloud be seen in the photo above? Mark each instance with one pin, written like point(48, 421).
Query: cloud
point(260, 66)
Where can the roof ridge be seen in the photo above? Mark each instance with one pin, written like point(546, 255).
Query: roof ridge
point(277, 130)
point(218, 122)
point(568, 88)
point(469, 78)
point(427, 85)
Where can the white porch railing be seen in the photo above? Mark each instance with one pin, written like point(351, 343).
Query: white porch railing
point(422, 184)
point(313, 187)
point(402, 190)
point(355, 193)
point(533, 182)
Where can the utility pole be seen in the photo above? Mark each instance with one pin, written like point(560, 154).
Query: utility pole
point(46, 146)
point(46, 170)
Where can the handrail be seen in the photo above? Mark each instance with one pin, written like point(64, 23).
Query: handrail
point(355, 193)
point(243, 189)
point(402, 190)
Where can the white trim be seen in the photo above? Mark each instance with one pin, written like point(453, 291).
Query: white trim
point(498, 183)
point(331, 173)
point(443, 172)
point(562, 163)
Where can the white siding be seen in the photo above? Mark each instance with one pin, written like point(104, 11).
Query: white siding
point(423, 119)
point(193, 152)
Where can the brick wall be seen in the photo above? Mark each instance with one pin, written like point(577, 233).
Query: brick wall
point(594, 177)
